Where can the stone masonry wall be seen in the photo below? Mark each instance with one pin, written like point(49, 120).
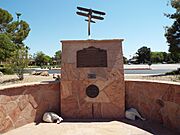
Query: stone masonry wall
point(75, 103)
point(20, 105)
point(155, 101)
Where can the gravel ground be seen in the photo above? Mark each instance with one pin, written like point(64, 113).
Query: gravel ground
point(171, 78)
point(12, 79)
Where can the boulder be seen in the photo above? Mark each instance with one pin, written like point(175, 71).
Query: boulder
point(1, 74)
point(33, 73)
point(44, 73)
point(38, 73)
point(51, 117)
point(132, 113)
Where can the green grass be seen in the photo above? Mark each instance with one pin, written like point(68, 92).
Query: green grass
point(175, 72)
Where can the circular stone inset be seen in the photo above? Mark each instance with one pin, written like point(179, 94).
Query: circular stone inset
point(92, 91)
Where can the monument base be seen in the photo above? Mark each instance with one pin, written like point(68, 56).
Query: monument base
point(92, 83)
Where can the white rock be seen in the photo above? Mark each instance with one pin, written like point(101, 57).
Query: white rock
point(1, 74)
point(44, 73)
point(52, 117)
point(132, 113)
point(33, 73)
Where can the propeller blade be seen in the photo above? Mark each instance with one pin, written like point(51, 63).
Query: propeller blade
point(82, 14)
point(97, 17)
point(84, 9)
point(94, 11)
point(90, 21)
point(98, 12)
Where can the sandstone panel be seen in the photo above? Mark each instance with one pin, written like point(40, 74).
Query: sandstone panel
point(26, 104)
point(110, 103)
point(158, 102)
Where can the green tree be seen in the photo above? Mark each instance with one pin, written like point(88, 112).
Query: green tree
point(5, 19)
point(48, 59)
point(6, 48)
point(125, 60)
point(168, 57)
point(173, 33)
point(17, 32)
point(143, 55)
point(6, 45)
point(157, 57)
point(175, 57)
point(39, 58)
point(57, 57)
point(42, 59)
point(20, 61)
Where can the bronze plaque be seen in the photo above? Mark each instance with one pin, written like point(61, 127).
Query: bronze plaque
point(92, 91)
point(92, 76)
point(92, 57)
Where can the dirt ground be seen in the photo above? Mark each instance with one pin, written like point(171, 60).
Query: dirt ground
point(13, 79)
point(125, 127)
point(171, 78)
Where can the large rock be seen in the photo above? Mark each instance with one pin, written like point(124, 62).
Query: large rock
point(38, 73)
point(132, 113)
point(51, 117)
point(33, 73)
point(1, 74)
point(44, 73)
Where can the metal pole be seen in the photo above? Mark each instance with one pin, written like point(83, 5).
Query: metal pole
point(18, 18)
point(89, 27)
point(18, 15)
point(89, 22)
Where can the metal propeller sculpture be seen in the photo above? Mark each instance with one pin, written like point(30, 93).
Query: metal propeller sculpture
point(90, 14)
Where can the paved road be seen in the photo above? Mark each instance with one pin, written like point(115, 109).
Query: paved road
point(148, 72)
point(155, 68)
point(137, 69)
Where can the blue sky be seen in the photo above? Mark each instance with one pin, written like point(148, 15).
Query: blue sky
point(138, 22)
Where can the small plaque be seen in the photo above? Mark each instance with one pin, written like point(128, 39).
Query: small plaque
point(92, 57)
point(92, 76)
point(92, 91)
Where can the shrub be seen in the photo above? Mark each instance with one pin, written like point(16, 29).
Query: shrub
point(7, 71)
point(175, 72)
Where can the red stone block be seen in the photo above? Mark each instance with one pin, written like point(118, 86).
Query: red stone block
point(32, 101)
point(177, 98)
point(2, 115)
point(6, 126)
point(109, 80)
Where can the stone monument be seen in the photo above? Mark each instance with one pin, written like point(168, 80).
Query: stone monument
point(92, 80)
